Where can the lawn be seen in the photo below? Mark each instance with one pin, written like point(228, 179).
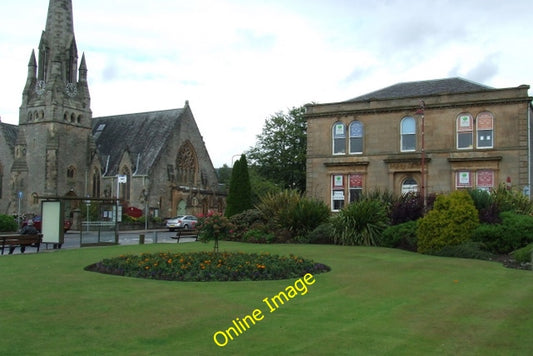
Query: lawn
point(375, 301)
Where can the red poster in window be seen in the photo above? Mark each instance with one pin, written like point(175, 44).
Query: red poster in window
point(484, 121)
point(356, 180)
point(485, 179)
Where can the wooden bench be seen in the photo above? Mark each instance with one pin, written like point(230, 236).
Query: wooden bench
point(185, 233)
point(13, 241)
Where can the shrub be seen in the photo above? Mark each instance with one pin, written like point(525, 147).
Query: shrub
point(213, 227)
point(451, 222)
point(8, 223)
point(467, 249)
point(322, 234)
point(290, 215)
point(360, 223)
point(523, 255)
point(510, 199)
point(407, 207)
point(401, 236)
point(485, 203)
point(248, 219)
point(514, 231)
point(258, 236)
point(307, 215)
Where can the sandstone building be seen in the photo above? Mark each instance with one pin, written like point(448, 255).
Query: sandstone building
point(461, 134)
point(59, 149)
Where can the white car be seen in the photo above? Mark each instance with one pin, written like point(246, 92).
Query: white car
point(182, 222)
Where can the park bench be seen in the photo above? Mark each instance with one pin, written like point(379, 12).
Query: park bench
point(12, 241)
point(185, 233)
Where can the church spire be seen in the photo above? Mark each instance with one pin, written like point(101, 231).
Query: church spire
point(58, 54)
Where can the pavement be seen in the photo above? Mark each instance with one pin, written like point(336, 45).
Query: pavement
point(75, 239)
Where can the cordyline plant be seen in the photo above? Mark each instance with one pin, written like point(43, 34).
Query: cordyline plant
point(213, 226)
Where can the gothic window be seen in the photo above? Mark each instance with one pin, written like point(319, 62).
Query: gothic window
point(408, 134)
point(72, 118)
point(126, 187)
point(338, 135)
point(65, 117)
point(96, 183)
point(187, 164)
point(71, 172)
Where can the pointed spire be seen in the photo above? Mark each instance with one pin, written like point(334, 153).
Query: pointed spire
point(32, 62)
point(83, 69)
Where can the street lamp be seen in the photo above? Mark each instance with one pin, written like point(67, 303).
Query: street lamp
point(421, 112)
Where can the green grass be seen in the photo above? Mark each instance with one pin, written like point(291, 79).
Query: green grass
point(375, 301)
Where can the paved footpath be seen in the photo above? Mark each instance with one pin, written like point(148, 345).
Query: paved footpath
point(73, 239)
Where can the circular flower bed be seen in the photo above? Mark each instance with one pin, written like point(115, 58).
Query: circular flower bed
point(208, 266)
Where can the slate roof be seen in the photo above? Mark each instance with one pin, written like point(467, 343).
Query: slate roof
point(423, 88)
point(10, 135)
point(143, 135)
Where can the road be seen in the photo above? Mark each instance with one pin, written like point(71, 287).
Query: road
point(74, 239)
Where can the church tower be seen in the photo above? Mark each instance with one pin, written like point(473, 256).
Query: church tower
point(54, 140)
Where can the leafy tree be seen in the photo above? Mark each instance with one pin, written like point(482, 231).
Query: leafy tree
point(240, 196)
point(224, 174)
point(280, 152)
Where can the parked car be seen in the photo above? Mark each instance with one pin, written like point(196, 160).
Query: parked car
point(182, 222)
point(38, 223)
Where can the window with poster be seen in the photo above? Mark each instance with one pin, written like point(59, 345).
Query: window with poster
point(356, 186)
point(337, 192)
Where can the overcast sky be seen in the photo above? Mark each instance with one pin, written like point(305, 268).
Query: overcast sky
point(239, 62)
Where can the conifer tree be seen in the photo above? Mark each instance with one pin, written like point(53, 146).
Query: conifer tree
point(240, 193)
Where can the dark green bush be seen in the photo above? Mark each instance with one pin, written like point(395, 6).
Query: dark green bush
point(258, 236)
point(514, 231)
point(8, 223)
point(360, 223)
point(451, 222)
point(290, 216)
point(401, 236)
point(248, 219)
point(523, 255)
point(468, 249)
point(322, 234)
point(486, 206)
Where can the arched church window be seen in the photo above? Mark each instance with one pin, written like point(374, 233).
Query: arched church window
point(96, 183)
point(71, 172)
point(41, 114)
point(126, 187)
point(72, 118)
point(187, 164)
point(78, 120)
point(65, 117)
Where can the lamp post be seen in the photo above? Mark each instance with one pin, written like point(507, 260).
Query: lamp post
point(421, 112)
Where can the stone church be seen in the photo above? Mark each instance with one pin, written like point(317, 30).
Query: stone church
point(59, 150)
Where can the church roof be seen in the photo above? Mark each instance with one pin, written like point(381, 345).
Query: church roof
point(142, 135)
point(10, 134)
point(423, 88)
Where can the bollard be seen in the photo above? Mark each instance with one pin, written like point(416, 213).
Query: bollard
point(141, 239)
